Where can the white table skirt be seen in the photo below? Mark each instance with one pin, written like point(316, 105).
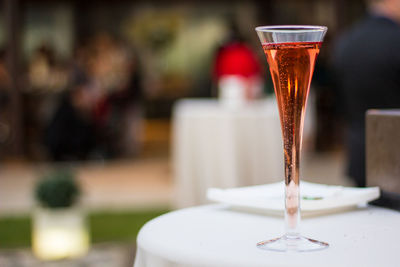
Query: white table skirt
point(218, 146)
point(214, 236)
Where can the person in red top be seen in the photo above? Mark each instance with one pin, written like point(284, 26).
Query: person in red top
point(235, 58)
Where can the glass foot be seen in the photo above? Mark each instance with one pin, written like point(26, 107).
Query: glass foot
point(292, 243)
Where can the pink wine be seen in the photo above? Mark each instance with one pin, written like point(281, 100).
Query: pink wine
point(292, 66)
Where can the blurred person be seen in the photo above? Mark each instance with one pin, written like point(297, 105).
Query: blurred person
point(45, 72)
point(367, 67)
point(126, 112)
point(40, 66)
point(235, 62)
point(5, 84)
point(4, 79)
point(117, 113)
point(71, 133)
point(99, 116)
point(4, 76)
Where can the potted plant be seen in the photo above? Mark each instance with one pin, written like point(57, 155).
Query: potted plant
point(59, 224)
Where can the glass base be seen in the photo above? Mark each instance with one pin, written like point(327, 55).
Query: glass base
point(292, 243)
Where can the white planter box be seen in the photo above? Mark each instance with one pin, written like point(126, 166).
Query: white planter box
point(59, 233)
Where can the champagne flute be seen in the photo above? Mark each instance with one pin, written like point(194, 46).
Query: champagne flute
point(291, 53)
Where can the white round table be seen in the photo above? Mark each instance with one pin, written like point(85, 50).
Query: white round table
point(215, 236)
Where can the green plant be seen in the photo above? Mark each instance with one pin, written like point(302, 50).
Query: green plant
point(57, 189)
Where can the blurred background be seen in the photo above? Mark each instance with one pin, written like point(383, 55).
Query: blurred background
point(94, 86)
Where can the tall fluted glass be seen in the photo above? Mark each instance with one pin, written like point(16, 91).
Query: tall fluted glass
point(291, 53)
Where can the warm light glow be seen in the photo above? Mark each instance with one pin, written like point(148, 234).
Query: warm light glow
point(60, 243)
point(59, 236)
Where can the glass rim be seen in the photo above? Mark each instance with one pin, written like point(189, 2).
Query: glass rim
point(291, 28)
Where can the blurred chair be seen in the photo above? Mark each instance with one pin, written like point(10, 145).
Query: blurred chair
point(383, 155)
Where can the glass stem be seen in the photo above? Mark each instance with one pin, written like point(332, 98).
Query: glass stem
point(292, 146)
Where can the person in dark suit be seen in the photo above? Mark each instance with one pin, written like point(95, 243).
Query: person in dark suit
point(367, 66)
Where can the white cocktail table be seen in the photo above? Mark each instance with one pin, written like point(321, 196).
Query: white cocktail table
point(215, 236)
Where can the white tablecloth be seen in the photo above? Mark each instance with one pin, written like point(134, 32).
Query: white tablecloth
point(214, 236)
point(219, 146)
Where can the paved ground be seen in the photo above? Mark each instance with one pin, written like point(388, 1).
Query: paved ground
point(106, 255)
point(113, 185)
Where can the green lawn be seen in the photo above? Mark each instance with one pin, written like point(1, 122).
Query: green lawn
point(104, 226)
